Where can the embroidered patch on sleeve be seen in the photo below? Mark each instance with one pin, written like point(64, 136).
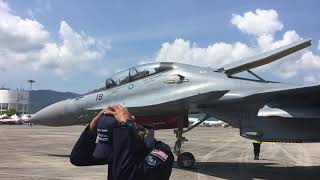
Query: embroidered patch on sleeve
point(152, 161)
point(160, 154)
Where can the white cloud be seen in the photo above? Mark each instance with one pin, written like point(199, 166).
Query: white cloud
point(267, 42)
point(260, 23)
point(214, 55)
point(306, 66)
point(309, 61)
point(79, 44)
point(219, 54)
point(75, 49)
point(262, 26)
point(19, 34)
point(27, 41)
point(319, 45)
point(4, 6)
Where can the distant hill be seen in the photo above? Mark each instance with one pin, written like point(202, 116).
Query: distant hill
point(43, 98)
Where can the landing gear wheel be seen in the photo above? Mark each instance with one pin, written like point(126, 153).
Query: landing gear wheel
point(185, 160)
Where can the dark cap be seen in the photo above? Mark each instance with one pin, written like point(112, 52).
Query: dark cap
point(104, 137)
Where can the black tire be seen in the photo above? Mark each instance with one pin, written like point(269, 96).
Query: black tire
point(185, 160)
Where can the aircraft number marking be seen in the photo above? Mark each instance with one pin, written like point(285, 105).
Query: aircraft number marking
point(99, 97)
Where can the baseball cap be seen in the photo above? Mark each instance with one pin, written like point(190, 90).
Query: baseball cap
point(103, 147)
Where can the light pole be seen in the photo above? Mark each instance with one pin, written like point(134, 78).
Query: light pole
point(31, 82)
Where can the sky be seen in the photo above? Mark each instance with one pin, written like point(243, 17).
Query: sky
point(75, 45)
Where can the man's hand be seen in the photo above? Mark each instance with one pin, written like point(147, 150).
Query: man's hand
point(93, 123)
point(118, 112)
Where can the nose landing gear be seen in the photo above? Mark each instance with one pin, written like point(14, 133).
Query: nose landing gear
point(185, 159)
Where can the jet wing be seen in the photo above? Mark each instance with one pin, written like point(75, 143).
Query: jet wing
point(299, 102)
point(307, 96)
point(294, 92)
point(266, 57)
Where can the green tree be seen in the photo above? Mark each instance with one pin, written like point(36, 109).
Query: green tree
point(11, 111)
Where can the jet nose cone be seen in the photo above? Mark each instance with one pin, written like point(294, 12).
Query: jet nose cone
point(49, 115)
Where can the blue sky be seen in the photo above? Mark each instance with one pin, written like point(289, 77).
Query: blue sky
point(112, 35)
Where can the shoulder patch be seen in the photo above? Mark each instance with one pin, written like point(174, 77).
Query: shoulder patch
point(160, 154)
point(151, 160)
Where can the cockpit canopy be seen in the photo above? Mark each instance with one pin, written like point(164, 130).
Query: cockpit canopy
point(135, 73)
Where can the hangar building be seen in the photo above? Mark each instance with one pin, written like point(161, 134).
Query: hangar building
point(17, 99)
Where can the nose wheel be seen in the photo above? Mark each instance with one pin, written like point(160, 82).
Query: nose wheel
point(185, 160)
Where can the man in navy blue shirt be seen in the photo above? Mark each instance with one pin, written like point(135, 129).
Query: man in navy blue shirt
point(129, 149)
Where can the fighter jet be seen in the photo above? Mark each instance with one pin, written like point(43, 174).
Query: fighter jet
point(163, 94)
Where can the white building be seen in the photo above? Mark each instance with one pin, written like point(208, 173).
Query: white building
point(16, 99)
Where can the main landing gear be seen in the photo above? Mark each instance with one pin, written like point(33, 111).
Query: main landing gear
point(185, 159)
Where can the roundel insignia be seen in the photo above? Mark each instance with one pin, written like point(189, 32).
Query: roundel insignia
point(131, 86)
point(151, 160)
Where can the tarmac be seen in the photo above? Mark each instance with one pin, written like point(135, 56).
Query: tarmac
point(40, 152)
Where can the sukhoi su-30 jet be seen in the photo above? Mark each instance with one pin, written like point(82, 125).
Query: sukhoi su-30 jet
point(163, 94)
